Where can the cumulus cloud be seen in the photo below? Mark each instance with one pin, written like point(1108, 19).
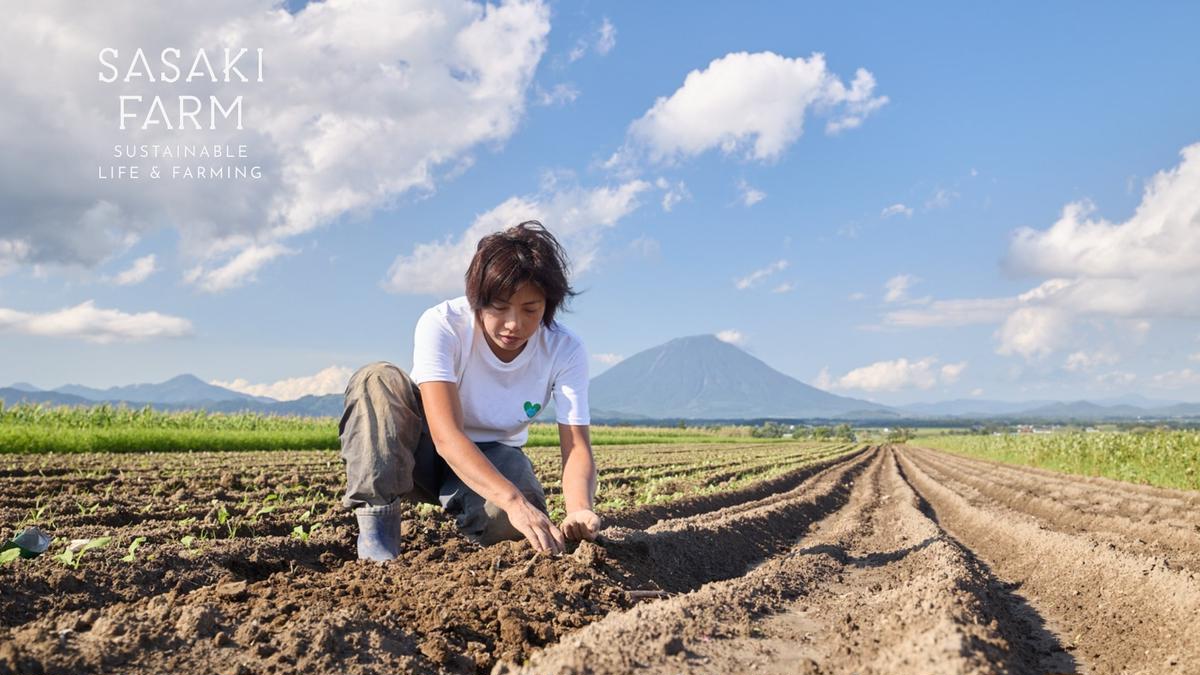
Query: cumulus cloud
point(752, 105)
point(608, 359)
point(1092, 269)
point(752, 279)
point(601, 41)
point(345, 83)
point(894, 375)
point(331, 380)
point(785, 287)
point(896, 210)
point(87, 322)
point(577, 217)
point(733, 337)
point(139, 271)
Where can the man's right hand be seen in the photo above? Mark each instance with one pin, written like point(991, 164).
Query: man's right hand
point(536, 526)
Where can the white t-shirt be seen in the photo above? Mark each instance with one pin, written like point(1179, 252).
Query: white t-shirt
point(500, 399)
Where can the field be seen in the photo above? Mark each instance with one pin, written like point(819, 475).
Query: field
point(729, 557)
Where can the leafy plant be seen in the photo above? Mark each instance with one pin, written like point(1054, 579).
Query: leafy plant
point(9, 555)
point(72, 558)
point(299, 533)
point(133, 547)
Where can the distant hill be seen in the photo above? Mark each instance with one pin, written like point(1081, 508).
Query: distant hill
point(178, 389)
point(701, 377)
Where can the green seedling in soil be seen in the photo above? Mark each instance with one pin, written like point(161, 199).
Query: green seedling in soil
point(299, 533)
point(85, 510)
point(73, 558)
point(187, 541)
point(35, 514)
point(9, 555)
point(188, 521)
point(133, 547)
point(181, 508)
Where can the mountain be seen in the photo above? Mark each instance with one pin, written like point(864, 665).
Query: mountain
point(23, 386)
point(178, 389)
point(12, 396)
point(701, 377)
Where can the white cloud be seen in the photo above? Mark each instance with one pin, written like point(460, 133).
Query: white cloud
point(758, 275)
point(1033, 332)
point(608, 359)
point(1081, 361)
point(602, 42)
point(897, 287)
point(941, 199)
point(749, 104)
point(1176, 379)
point(673, 193)
point(856, 296)
point(607, 39)
point(895, 375)
point(139, 271)
point(331, 380)
point(1125, 273)
point(733, 337)
point(953, 313)
point(896, 210)
point(560, 94)
point(345, 83)
point(977, 391)
point(1116, 379)
point(952, 371)
point(87, 322)
point(785, 287)
point(238, 270)
point(749, 194)
point(1194, 357)
point(576, 216)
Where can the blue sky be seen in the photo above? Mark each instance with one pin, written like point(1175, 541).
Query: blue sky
point(996, 118)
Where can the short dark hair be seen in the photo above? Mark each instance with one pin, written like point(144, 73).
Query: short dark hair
point(505, 260)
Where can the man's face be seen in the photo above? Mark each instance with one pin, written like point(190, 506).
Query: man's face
point(509, 323)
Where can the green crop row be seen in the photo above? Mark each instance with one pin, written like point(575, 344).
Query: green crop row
point(1162, 458)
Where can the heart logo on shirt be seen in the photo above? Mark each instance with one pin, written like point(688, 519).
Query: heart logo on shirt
point(532, 409)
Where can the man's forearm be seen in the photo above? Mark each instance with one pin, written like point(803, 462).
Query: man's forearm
point(579, 481)
point(470, 464)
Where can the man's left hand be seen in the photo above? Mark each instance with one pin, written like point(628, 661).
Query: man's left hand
point(581, 524)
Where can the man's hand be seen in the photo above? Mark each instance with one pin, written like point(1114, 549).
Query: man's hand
point(537, 528)
point(581, 524)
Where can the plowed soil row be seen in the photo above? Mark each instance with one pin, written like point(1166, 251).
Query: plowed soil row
point(919, 572)
point(886, 560)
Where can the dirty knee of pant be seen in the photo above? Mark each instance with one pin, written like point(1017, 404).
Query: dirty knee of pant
point(497, 527)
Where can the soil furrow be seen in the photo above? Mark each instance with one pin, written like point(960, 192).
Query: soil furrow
point(1118, 612)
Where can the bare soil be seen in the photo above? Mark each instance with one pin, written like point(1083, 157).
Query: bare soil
point(889, 560)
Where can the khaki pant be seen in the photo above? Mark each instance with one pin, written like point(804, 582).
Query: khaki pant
point(389, 455)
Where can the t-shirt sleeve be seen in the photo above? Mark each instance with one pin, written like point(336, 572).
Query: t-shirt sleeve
point(571, 389)
point(436, 349)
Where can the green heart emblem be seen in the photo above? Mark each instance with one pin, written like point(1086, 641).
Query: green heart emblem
point(532, 409)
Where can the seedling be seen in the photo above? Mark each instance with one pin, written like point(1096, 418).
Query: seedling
point(72, 558)
point(133, 547)
point(299, 533)
point(9, 555)
point(187, 541)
